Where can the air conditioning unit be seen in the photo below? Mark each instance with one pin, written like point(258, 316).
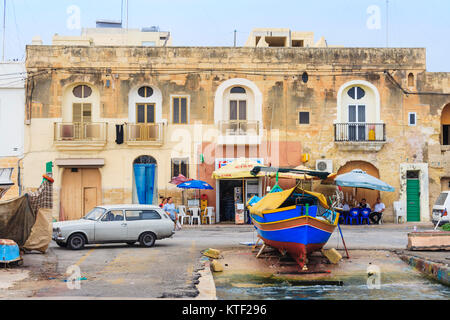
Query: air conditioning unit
point(324, 165)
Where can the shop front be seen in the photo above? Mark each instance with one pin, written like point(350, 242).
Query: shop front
point(234, 187)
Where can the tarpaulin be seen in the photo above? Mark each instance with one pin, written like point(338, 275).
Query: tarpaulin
point(41, 233)
point(16, 219)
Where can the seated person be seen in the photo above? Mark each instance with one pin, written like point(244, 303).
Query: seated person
point(345, 211)
point(363, 204)
point(378, 209)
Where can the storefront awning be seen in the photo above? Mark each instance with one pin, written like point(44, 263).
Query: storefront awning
point(237, 169)
point(80, 163)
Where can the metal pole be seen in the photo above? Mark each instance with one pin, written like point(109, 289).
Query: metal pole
point(235, 38)
point(343, 241)
point(4, 29)
point(387, 23)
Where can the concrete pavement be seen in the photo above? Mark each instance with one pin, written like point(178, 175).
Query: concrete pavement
point(171, 269)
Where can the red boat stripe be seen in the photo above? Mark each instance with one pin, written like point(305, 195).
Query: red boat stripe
point(287, 224)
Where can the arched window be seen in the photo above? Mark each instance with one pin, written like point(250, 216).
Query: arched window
point(145, 92)
point(445, 125)
point(82, 91)
point(238, 90)
point(145, 160)
point(411, 80)
point(358, 112)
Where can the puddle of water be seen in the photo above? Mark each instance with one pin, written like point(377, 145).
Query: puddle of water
point(406, 285)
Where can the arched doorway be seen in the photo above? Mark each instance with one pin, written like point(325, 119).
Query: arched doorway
point(445, 125)
point(145, 180)
point(81, 190)
point(350, 194)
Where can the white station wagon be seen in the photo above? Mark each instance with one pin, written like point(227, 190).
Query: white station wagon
point(115, 224)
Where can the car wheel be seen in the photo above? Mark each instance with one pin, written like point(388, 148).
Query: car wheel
point(76, 242)
point(61, 244)
point(130, 243)
point(147, 239)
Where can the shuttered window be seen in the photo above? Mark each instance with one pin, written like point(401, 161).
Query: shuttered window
point(82, 112)
point(180, 166)
point(145, 113)
point(180, 110)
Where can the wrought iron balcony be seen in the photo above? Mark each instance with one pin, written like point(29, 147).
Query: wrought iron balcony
point(344, 132)
point(144, 133)
point(360, 136)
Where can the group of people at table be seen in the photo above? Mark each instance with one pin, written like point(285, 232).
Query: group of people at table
point(169, 207)
point(374, 215)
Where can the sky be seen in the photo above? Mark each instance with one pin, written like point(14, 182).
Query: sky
point(351, 23)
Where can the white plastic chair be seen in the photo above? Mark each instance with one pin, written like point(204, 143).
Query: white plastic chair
point(399, 211)
point(182, 214)
point(209, 214)
point(195, 215)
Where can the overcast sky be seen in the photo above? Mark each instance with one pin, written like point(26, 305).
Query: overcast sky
point(351, 23)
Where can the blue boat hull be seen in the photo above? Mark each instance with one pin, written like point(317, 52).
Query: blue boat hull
point(291, 230)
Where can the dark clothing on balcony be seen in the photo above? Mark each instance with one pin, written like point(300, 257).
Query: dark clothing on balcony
point(119, 133)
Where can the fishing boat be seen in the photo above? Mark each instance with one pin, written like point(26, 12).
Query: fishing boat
point(294, 221)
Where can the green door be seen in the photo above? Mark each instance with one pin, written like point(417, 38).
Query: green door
point(413, 199)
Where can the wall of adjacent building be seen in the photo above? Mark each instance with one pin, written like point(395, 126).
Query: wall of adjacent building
point(12, 111)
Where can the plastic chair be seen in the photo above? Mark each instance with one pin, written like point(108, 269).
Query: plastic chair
point(353, 214)
point(209, 214)
point(364, 215)
point(182, 214)
point(398, 211)
point(195, 215)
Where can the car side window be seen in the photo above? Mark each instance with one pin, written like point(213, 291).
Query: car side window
point(113, 215)
point(150, 215)
point(133, 215)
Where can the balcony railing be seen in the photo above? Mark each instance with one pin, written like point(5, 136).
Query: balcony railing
point(144, 132)
point(80, 131)
point(364, 132)
point(239, 128)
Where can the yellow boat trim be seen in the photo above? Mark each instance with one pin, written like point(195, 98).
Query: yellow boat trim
point(279, 210)
point(302, 217)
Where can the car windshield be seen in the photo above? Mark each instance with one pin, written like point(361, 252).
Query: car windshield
point(94, 214)
point(441, 199)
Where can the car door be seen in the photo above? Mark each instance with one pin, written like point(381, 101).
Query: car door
point(140, 221)
point(111, 227)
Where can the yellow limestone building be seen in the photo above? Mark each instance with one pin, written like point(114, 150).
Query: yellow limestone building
point(100, 112)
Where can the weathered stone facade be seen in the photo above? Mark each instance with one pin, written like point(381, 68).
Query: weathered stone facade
point(275, 76)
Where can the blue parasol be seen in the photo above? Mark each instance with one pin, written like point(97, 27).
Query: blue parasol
point(195, 184)
point(360, 179)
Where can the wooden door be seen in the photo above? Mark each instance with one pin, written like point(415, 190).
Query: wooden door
point(90, 199)
point(413, 199)
point(80, 192)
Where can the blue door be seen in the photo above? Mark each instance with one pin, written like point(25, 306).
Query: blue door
point(144, 175)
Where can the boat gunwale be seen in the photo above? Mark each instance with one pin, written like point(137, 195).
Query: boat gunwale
point(300, 217)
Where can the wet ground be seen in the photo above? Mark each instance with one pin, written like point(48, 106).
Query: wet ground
point(367, 275)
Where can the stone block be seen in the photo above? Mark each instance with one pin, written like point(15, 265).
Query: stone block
point(332, 255)
point(216, 266)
